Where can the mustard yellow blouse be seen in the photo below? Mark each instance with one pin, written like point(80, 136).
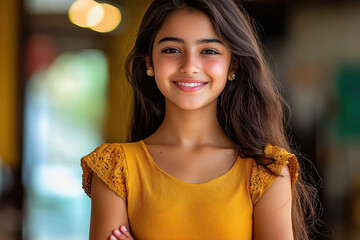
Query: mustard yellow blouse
point(161, 206)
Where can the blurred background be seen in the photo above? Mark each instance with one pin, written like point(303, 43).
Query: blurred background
point(63, 92)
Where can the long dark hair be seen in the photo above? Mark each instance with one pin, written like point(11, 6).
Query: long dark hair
point(249, 109)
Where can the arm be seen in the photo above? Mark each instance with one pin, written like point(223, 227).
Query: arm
point(104, 203)
point(272, 213)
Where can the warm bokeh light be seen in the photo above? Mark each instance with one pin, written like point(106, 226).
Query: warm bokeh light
point(90, 14)
point(111, 19)
point(95, 15)
point(78, 12)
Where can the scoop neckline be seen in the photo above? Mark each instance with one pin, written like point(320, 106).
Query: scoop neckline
point(230, 171)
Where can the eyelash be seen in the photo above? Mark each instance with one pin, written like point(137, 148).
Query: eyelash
point(175, 50)
point(214, 52)
point(170, 50)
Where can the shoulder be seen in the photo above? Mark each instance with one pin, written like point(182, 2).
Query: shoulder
point(105, 151)
point(108, 162)
point(110, 152)
point(280, 163)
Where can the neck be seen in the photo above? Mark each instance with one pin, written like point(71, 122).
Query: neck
point(191, 128)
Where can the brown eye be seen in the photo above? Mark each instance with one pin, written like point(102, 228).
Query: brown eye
point(210, 52)
point(170, 50)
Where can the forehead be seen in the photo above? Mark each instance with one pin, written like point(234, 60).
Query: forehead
point(188, 25)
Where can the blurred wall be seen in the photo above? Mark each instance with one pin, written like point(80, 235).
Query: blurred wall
point(9, 100)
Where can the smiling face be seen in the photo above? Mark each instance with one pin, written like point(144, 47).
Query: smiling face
point(191, 64)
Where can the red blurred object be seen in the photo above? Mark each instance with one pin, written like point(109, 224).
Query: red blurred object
point(41, 52)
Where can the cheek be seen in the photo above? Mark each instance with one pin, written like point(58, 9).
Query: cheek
point(217, 69)
point(164, 66)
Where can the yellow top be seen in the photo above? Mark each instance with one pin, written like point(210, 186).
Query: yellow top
point(161, 206)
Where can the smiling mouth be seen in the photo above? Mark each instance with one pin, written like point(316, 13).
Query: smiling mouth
point(193, 84)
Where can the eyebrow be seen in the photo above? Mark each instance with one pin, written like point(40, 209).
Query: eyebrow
point(198, 42)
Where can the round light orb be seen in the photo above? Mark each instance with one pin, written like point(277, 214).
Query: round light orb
point(95, 15)
point(111, 19)
point(78, 12)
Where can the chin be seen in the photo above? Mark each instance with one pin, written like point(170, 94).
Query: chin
point(192, 106)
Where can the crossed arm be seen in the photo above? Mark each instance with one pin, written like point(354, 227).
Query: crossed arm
point(271, 217)
point(104, 204)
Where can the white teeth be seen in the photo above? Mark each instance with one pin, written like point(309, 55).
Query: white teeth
point(189, 84)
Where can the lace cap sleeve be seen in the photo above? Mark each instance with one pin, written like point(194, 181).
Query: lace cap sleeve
point(108, 162)
point(261, 179)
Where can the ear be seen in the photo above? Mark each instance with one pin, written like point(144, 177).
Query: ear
point(149, 66)
point(233, 69)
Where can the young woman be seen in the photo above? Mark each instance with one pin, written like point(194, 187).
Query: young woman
point(207, 157)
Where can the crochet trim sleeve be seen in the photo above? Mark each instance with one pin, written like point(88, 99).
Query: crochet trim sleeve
point(261, 179)
point(108, 162)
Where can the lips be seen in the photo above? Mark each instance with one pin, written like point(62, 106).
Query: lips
point(188, 85)
point(190, 81)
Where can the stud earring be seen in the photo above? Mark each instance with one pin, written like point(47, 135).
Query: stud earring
point(149, 72)
point(233, 76)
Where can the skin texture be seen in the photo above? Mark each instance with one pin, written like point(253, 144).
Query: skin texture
point(104, 202)
point(272, 213)
point(190, 128)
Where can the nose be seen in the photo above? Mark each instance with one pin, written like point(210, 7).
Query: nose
point(189, 64)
